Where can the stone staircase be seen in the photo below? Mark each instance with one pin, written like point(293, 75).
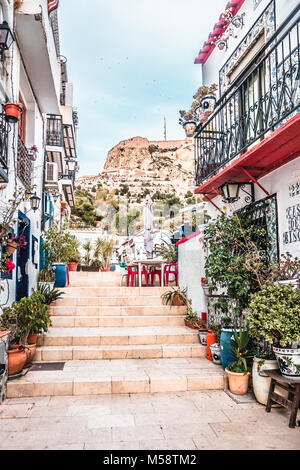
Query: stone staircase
point(117, 340)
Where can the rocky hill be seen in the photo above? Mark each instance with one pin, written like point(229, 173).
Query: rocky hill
point(166, 167)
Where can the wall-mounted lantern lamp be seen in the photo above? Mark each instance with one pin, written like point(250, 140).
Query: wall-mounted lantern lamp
point(35, 202)
point(231, 192)
point(6, 38)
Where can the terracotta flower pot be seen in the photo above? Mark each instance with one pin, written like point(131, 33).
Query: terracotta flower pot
point(238, 383)
point(178, 301)
point(33, 339)
point(16, 360)
point(13, 112)
point(11, 246)
point(195, 325)
point(30, 353)
point(73, 266)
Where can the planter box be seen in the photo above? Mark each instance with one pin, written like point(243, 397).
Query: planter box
point(90, 269)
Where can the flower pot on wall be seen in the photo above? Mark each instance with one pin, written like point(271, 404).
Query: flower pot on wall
point(288, 361)
point(208, 104)
point(11, 246)
point(13, 112)
point(189, 127)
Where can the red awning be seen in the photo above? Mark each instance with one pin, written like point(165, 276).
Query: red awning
point(277, 149)
point(219, 29)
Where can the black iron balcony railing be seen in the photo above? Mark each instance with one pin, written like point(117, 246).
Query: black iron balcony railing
point(267, 96)
point(4, 129)
point(54, 132)
point(25, 165)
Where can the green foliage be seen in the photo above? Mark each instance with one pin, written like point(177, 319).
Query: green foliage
point(234, 262)
point(88, 248)
point(28, 316)
point(50, 295)
point(104, 249)
point(275, 315)
point(84, 207)
point(58, 244)
point(169, 295)
point(242, 351)
point(46, 275)
point(168, 252)
point(217, 330)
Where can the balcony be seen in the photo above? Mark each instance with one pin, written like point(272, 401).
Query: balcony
point(54, 132)
point(25, 165)
point(256, 122)
point(4, 129)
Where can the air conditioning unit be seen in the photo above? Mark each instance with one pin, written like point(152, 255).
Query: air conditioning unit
point(51, 173)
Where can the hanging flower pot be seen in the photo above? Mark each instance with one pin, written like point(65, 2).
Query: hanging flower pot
point(222, 44)
point(208, 104)
point(200, 114)
point(12, 246)
point(13, 112)
point(237, 21)
point(189, 127)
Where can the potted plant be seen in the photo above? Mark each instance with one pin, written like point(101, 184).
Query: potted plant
point(13, 112)
point(104, 248)
point(46, 277)
point(239, 371)
point(58, 246)
point(275, 318)
point(15, 242)
point(213, 343)
point(286, 271)
point(208, 100)
point(75, 257)
point(175, 297)
point(17, 355)
point(189, 127)
point(32, 153)
point(206, 286)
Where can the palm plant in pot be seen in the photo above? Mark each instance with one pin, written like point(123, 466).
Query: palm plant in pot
point(46, 277)
point(74, 258)
point(104, 248)
point(275, 318)
point(175, 297)
point(239, 371)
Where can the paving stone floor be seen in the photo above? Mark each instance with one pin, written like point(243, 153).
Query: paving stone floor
point(206, 420)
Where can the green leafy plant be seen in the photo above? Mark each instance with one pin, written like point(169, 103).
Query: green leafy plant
point(88, 248)
point(50, 295)
point(288, 268)
point(74, 256)
point(28, 316)
point(234, 262)
point(242, 350)
point(169, 296)
point(217, 330)
point(168, 252)
point(46, 275)
point(9, 322)
point(104, 248)
point(58, 244)
point(275, 315)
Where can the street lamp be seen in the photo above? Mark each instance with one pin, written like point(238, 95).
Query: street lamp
point(35, 202)
point(56, 196)
point(6, 38)
point(231, 192)
point(71, 165)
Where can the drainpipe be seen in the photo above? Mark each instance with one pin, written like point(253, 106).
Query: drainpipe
point(7, 15)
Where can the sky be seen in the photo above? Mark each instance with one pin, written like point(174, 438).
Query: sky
point(132, 63)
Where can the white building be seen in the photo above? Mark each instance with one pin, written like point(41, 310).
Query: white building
point(252, 139)
point(33, 74)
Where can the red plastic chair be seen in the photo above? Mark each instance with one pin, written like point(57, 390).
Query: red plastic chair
point(171, 270)
point(154, 271)
point(132, 272)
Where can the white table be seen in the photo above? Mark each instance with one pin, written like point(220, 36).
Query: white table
point(151, 262)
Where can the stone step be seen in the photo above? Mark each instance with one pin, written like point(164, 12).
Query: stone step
point(118, 321)
point(118, 336)
point(100, 291)
point(120, 377)
point(131, 301)
point(95, 279)
point(72, 353)
point(113, 311)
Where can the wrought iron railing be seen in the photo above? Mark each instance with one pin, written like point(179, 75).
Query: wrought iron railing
point(264, 99)
point(264, 215)
point(25, 165)
point(54, 132)
point(4, 129)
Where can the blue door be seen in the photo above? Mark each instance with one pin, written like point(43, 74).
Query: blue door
point(23, 256)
